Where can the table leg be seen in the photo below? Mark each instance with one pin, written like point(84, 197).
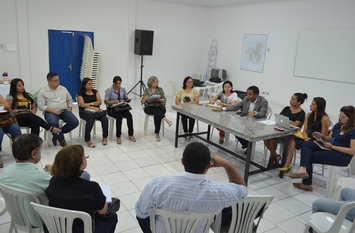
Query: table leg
point(177, 129)
point(247, 161)
point(208, 132)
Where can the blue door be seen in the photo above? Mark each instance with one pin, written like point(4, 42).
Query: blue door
point(65, 56)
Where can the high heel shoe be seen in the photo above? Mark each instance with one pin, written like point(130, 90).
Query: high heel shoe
point(286, 170)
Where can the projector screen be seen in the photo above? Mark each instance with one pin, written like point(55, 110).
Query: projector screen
point(327, 54)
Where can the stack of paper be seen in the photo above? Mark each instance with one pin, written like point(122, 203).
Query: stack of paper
point(214, 106)
point(106, 189)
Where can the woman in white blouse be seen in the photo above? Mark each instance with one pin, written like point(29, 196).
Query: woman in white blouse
point(225, 98)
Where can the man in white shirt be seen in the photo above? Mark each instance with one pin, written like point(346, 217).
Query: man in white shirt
point(56, 103)
point(191, 191)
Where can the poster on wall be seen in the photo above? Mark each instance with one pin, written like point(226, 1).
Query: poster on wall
point(253, 56)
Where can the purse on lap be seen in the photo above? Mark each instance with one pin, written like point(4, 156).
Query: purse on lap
point(95, 115)
point(6, 118)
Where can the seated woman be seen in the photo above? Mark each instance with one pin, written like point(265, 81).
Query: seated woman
point(68, 190)
point(187, 95)
point(296, 115)
point(155, 106)
point(89, 100)
point(11, 129)
point(341, 145)
point(333, 206)
point(114, 95)
point(225, 98)
point(24, 106)
point(316, 121)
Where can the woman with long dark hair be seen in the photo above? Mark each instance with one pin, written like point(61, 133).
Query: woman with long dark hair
point(340, 144)
point(89, 102)
point(296, 115)
point(24, 106)
point(185, 96)
point(316, 121)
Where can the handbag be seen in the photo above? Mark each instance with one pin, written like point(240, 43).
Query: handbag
point(96, 115)
point(112, 208)
point(121, 108)
point(7, 118)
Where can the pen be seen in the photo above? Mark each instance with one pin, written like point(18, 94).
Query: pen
point(331, 141)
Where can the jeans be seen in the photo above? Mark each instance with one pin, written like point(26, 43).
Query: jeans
point(311, 153)
point(242, 141)
point(184, 119)
point(119, 116)
point(158, 113)
point(68, 117)
point(90, 123)
point(12, 129)
point(333, 207)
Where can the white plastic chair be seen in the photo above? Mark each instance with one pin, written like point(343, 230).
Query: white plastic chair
point(175, 87)
point(59, 220)
point(146, 124)
point(48, 134)
point(111, 125)
point(243, 215)
point(82, 125)
point(332, 175)
point(323, 222)
point(15, 201)
point(2, 206)
point(344, 182)
point(180, 221)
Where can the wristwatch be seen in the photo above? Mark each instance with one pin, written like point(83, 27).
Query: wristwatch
point(92, 104)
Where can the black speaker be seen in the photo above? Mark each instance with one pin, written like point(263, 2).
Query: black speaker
point(143, 42)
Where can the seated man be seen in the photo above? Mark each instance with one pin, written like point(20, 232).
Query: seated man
point(56, 103)
point(25, 175)
point(191, 191)
point(333, 207)
point(252, 105)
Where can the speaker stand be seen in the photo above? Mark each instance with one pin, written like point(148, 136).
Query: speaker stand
point(140, 82)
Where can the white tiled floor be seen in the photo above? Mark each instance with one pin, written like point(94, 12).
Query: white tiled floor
point(128, 167)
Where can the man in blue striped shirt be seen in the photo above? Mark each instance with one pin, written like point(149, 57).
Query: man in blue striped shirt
point(191, 191)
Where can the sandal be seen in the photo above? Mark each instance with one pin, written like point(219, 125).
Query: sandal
point(170, 123)
point(55, 130)
point(157, 138)
point(119, 141)
point(271, 163)
point(90, 144)
point(221, 140)
point(104, 141)
point(132, 138)
point(278, 160)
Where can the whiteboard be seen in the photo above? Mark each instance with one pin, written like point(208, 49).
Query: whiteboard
point(327, 54)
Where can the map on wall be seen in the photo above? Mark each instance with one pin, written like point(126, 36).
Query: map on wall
point(253, 55)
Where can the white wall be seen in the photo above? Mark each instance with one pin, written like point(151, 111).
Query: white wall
point(179, 38)
point(281, 21)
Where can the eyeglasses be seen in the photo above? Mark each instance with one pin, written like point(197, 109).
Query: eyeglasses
point(56, 80)
point(86, 156)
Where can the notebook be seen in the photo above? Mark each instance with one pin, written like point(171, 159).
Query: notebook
point(283, 121)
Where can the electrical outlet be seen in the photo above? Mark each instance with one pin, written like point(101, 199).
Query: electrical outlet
point(2, 46)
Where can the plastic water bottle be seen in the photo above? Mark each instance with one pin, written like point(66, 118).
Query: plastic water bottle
point(5, 78)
